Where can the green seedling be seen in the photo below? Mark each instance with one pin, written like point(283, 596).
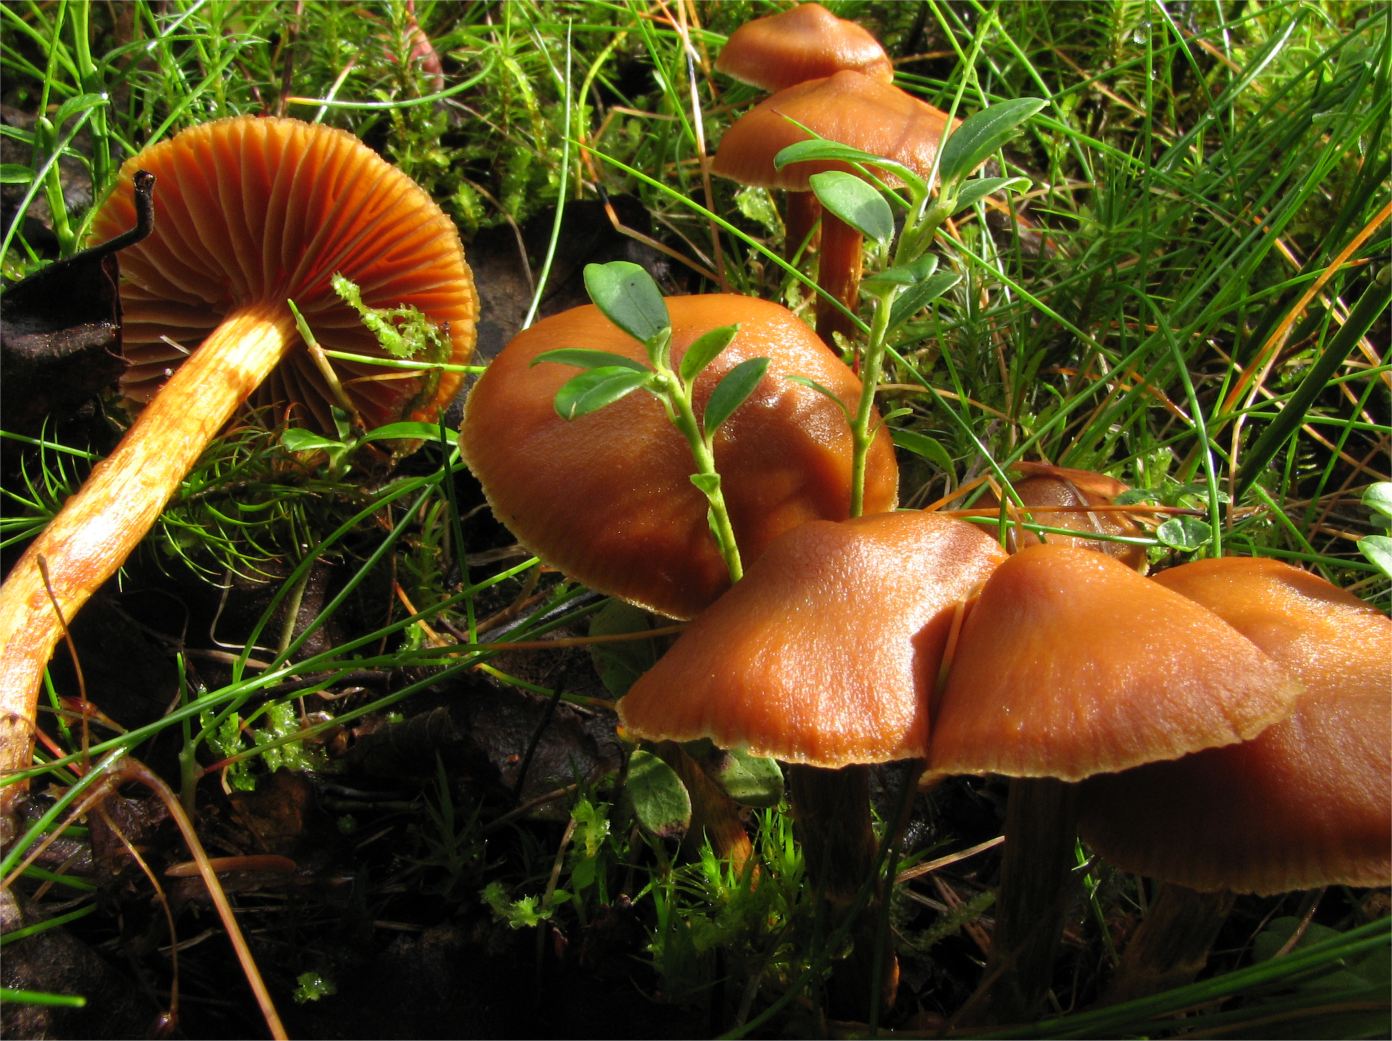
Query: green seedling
point(628, 297)
point(911, 280)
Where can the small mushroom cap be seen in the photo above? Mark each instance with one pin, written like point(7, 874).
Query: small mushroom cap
point(826, 651)
point(1306, 803)
point(607, 497)
point(1070, 496)
point(802, 43)
point(268, 209)
point(847, 107)
point(1071, 664)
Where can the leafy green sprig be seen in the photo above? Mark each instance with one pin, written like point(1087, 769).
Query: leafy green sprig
point(910, 280)
point(628, 297)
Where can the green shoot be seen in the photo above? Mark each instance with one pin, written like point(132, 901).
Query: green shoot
point(628, 297)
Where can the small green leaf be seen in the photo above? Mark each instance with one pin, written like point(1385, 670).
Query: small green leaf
point(657, 796)
point(704, 350)
point(916, 298)
point(595, 388)
point(708, 483)
point(731, 392)
point(1184, 533)
point(821, 149)
point(407, 431)
point(751, 780)
point(1378, 498)
point(1378, 550)
point(855, 202)
point(620, 663)
point(904, 274)
point(13, 173)
point(826, 392)
point(924, 447)
point(297, 439)
point(981, 134)
point(974, 191)
point(585, 359)
point(628, 297)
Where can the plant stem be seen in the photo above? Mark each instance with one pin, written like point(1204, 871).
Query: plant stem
point(871, 368)
point(676, 398)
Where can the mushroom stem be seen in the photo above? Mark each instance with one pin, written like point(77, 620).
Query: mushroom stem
point(832, 812)
point(802, 235)
point(1171, 946)
point(102, 522)
point(838, 275)
point(1036, 873)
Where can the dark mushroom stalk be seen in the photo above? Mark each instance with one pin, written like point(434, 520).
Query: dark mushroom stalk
point(1304, 804)
point(824, 656)
point(1070, 664)
point(250, 213)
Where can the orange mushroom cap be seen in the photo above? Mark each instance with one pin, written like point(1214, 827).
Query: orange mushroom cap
point(826, 651)
point(268, 209)
point(1308, 801)
point(802, 43)
point(848, 107)
point(1071, 664)
point(607, 497)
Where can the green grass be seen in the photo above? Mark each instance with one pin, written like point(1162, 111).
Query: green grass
point(1205, 320)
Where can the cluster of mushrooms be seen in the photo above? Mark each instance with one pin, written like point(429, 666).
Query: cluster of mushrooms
point(1121, 703)
point(1118, 702)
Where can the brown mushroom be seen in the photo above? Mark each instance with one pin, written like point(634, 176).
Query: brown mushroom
point(1305, 803)
point(1063, 497)
point(852, 109)
point(249, 213)
point(802, 43)
point(824, 656)
point(1071, 664)
point(607, 497)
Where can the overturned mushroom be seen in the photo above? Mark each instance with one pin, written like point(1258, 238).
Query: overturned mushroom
point(249, 213)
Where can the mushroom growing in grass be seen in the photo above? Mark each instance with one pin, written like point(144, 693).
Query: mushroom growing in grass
point(250, 214)
point(1079, 501)
point(1305, 803)
point(803, 43)
point(852, 109)
point(1070, 664)
point(609, 496)
point(824, 656)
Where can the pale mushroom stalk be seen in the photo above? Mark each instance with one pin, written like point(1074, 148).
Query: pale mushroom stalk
point(252, 212)
point(100, 525)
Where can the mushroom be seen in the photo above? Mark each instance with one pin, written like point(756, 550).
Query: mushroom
point(1062, 497)
point(1305, 803)
point(850, 108)
point(607, 497)
point(1071, 664)
point(824, 656)
point(250, 213)
point(805, 42)
point(802, 43)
